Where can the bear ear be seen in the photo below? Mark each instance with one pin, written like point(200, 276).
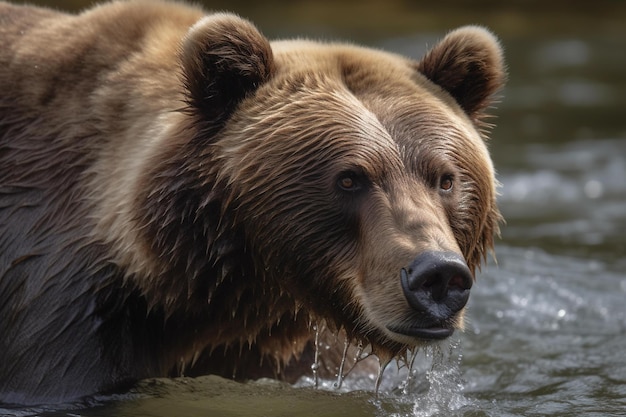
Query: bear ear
point(468, 64)
point(224, 58)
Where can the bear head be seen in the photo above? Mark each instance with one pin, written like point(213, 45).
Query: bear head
point(313, 182)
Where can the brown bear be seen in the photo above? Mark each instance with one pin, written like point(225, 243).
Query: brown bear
point(178, 195)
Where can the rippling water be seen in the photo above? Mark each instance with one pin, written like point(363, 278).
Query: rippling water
point(547, 323)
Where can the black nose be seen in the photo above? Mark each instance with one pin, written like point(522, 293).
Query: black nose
point(437, 284)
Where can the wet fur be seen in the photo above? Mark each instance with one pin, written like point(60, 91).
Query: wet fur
point(139, 236)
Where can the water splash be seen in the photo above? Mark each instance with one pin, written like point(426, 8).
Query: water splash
point(445, 383)
point(427, 381)
point(432, 385)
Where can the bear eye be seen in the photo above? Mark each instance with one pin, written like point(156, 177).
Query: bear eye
point(349, 181)
point(346, 183)
point(446, 183)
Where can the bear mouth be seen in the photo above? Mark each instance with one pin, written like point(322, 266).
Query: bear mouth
point(424, 333)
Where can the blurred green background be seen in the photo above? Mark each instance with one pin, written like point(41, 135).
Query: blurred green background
point(372, 19)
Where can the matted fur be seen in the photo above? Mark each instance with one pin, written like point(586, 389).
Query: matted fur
point(171, 198)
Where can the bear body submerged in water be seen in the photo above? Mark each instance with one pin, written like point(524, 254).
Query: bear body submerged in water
point(178, 194)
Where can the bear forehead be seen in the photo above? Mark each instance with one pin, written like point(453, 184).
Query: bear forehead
point(386, 87)
point(302, 54)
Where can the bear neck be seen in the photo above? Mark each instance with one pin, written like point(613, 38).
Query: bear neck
point(206, 273)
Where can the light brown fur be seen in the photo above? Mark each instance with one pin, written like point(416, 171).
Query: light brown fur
point(186, 173)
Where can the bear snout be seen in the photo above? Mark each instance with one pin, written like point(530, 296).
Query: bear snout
point(437, 286)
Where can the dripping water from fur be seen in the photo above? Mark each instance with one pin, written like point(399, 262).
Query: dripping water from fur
point(405, 386)
point(382, 365)
point(344, 356)
point(431, 386)
point(424, 382)
point(316, 361)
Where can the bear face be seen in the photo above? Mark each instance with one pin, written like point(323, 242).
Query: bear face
point(337, 168)
point(192, 197)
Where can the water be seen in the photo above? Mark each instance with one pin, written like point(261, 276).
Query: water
point(546, 333)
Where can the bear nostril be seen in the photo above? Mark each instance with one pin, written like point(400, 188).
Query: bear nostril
point(437, 283)
point(459, 282)
point(446, 285)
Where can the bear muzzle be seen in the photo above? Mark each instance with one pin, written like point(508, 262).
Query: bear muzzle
point(437, 287)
